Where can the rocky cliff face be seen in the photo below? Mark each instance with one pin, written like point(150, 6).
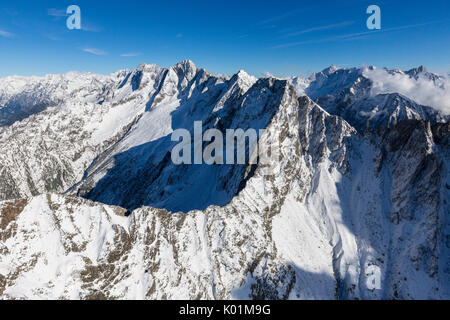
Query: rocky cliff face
point(355, 195)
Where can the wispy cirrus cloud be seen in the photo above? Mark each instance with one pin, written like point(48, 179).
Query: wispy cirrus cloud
point(319, 28)
point(132, 54)
point(355, 36)
point(56, 12)
point(90, 27)
point(278, 17)
point(52, 37)
point(6, 34)
point(95, 51)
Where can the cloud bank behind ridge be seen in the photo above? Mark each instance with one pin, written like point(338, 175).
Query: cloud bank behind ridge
point(422, 90)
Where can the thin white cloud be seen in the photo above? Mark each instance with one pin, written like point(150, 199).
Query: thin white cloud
point(354, 36)
point(90, 28)
point(278, 18)
point(56, 12)
point(95, 51)
point(52, 37)
point(179, 35)
point(6, 34)
point(422, 90)
point(319, 28)
point(132, 54)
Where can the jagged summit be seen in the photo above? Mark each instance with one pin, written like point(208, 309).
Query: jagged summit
point(417, 70)
point(331, 69)
point(242, 73)
point(185, 66)
point(244, 80)
point(188, 64)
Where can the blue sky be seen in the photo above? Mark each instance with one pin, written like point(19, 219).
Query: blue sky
point(281, 37)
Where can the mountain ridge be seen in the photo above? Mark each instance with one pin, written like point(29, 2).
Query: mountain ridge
point(352, 195)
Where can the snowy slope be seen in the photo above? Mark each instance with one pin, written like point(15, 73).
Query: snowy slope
point(50, 150)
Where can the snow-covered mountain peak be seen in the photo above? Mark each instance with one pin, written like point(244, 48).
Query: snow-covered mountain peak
point(187, 67)
point(331, 69)
point(245, 80)
point(416, 71)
